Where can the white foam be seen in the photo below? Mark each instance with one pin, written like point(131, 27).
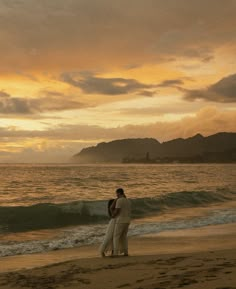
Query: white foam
point(93, 234)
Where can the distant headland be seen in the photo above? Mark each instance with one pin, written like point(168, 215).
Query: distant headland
point(217, 148)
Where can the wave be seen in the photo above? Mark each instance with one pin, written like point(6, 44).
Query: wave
point(48, 216)
point(184, 199)
point(85, 235)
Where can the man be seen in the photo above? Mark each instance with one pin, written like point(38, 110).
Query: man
point(122, 221)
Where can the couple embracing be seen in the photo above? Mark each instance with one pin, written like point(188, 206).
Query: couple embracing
point(116, 235)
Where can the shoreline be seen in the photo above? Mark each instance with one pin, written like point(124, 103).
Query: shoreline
point(203, 239)
point(190, 259)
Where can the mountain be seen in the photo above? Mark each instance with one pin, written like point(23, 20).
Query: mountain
point(116, 150)
point(220, 147)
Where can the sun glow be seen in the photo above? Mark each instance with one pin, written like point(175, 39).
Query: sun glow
point(82, 76)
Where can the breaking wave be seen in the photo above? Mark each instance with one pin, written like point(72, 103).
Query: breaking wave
point(49, 216)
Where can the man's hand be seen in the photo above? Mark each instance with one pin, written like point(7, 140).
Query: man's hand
point(115, 212)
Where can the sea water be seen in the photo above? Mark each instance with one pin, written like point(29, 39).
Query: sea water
point(50, 207)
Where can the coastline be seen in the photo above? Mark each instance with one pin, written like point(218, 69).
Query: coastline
point(202, 257)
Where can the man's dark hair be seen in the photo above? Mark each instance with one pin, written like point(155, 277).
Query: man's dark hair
point(120, 191)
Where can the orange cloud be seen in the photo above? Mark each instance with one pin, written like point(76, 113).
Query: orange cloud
point(104, 34)
point(206, 121)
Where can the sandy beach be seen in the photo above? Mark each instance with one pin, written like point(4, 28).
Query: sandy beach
point(197, 258)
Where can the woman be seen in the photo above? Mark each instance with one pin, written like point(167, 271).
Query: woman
point(107, 244)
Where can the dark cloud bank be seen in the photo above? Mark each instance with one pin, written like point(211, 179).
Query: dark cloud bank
point(222, 91)
point(109, 86)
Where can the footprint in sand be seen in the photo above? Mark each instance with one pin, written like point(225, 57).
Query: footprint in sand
point(140, 280)
point(225, 288)
point(124, 285)
point(185, 282)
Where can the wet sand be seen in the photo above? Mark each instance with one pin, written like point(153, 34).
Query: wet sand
point(197, 258)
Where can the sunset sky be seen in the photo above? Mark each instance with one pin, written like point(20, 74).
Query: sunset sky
point(78, 72)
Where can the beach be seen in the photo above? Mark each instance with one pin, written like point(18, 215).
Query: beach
point(195, 258)
point(182, 233)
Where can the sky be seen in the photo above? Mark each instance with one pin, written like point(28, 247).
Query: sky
point(78, 72)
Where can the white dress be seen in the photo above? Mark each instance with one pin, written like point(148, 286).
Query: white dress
point(107, 244)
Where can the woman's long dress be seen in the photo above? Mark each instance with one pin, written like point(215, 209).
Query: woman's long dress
point(107, 244)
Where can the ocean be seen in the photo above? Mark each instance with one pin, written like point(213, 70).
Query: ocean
point(50, 207)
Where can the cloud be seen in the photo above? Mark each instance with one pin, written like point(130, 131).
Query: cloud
point(43, 151)
point(50, 101)
point(56, 101)
point(208, 58)
point(60, 143)
point(208, 120)
point(13, 105)
point(4, 94)
point(109, 86)
point(103, 34)
point(223, 91)
point(171, 82)
point(174, 108)
point(148, 93)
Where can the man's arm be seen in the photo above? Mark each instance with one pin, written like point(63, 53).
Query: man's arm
point(115, 212)
point(117, 208)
